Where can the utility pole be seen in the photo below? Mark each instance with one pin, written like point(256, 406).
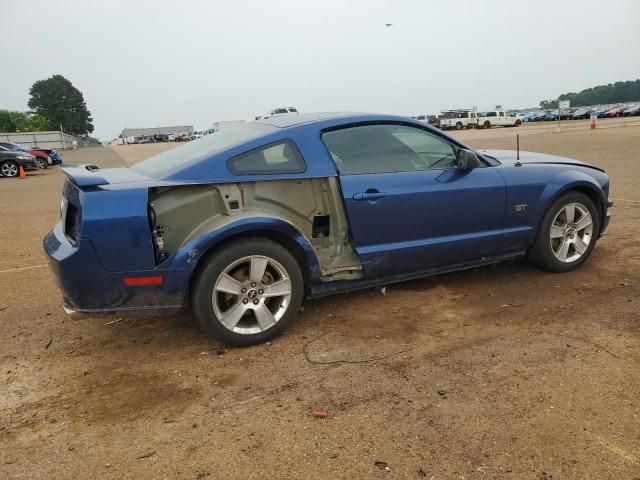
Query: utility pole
point(64, 147)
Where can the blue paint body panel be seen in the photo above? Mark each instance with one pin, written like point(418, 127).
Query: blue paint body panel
point(422, 222)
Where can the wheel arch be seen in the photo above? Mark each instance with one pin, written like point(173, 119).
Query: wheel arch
point(195, 254)
point(586, 186)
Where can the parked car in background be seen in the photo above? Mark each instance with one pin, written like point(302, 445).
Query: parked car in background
point(528, 117)
point(599, 112)
point(42, 158)
point(498, 118)
point(581, 113)
point(614, 112)
point(458, 119)
point(631, 111)
point(539, 116)
point(550, 116)
point(278, 112)
point(11, 161)
point(566, 114)
point(56, 157)
point(245, 223)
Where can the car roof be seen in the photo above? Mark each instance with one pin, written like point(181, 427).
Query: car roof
point(286, 121)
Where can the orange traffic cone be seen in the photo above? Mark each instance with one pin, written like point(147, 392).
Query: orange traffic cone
point(593, 122)
point(21, 172)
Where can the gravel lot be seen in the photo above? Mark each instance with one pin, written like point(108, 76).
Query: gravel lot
point(506, 371)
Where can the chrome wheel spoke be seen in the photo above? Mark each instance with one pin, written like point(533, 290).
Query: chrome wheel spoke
point(563, 250)
point(228, 284)
point(570, 212)
point(278, 289)
point(580, 245)
point(557, 232)
point(231, 317)
point(264, 316)
point(584, 222)
point(258, 267)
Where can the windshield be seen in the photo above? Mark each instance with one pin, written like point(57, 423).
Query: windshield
point(177, 158)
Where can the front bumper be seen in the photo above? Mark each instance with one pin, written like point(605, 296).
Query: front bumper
point(607, 217)
point(88, 289)
point(29, 164)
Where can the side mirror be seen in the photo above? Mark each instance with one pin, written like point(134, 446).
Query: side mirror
point(468, 160)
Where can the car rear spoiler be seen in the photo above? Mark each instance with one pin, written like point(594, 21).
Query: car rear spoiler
point(84, 175)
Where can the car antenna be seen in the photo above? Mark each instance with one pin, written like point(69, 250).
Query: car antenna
point(518, 164)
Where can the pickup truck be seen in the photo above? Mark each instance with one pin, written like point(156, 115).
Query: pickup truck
point(458, 119)
point(498, 118)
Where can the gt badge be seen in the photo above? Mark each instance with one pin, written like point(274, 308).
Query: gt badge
point(521, 207)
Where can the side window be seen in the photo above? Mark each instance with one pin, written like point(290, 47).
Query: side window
point(387, 148)
point(491, 114)
point(279, 157)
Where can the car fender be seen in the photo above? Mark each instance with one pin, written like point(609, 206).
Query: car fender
point(191, 252)
point(562, 183)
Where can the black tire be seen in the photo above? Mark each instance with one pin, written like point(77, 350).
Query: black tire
point(459, 126)
point(217, 263)
point(42, 163)
point(487, 124)
point(541, 253)
point(518, 123)
point(9, 169)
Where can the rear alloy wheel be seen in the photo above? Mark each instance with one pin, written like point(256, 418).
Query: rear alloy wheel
point(9, 169)
point(567, 235)
point(487, 124)
point(459, 126)
point(248, 292)
point(42, 163)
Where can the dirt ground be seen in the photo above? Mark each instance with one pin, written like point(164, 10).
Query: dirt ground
point(506, 372)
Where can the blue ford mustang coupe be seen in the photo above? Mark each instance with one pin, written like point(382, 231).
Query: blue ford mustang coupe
point(243, 223)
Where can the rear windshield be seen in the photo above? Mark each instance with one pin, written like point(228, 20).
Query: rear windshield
point(190, 153)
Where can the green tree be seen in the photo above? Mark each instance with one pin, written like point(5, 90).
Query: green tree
point(37, 123)
point(618, 92)
point(7, 123)
point(549, 104)
point(11, 122)
point(61, 103)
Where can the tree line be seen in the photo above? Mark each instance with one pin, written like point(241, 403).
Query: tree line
point(55, 103)
point(618, 92)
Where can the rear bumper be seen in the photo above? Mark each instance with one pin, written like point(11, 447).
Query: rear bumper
point(88, 289)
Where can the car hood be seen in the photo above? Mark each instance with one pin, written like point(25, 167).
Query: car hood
point(510, 157)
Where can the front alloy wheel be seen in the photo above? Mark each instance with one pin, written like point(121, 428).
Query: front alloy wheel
point(571, 232)
point(567, 234)
point(9, 169)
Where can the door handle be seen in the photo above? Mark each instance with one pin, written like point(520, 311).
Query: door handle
point(370, 194)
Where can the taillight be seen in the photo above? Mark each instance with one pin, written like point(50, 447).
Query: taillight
point(142, 281)
point(72, 222)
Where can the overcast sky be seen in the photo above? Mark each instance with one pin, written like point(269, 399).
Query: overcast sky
point(157, 63)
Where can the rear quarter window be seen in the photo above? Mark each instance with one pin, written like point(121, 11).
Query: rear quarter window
point(275, 158)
